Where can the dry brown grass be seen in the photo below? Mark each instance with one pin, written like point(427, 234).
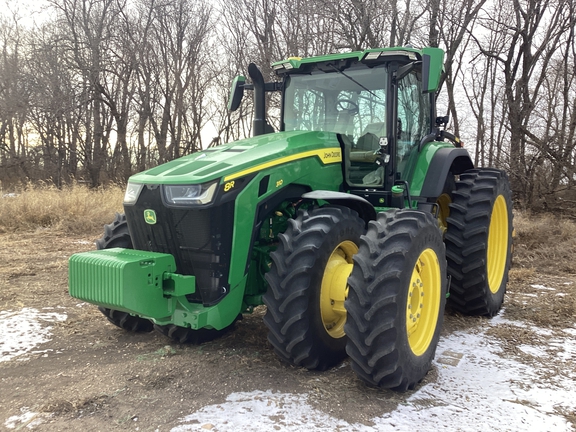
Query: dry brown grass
point(73, 209)
point(542, 288)
point(546, 243)
point(552, 306)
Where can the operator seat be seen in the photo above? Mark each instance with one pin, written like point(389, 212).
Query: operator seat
point(370, 139)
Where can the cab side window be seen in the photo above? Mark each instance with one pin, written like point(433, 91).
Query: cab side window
point(413, 120)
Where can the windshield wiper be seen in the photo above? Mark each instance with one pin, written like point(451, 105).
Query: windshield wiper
point(353, 80)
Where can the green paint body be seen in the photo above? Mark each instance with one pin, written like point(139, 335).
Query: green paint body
point(264, 177)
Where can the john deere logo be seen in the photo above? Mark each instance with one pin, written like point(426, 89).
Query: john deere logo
point(150, 216)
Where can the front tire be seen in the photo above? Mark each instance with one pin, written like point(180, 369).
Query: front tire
point(308, 285)
point(479, 241)
point(186, 335)
point(396, 300)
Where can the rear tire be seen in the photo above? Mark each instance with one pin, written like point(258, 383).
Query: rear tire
point(396, 299)
point(308, 285)
point(116, 235)
point(479, 241)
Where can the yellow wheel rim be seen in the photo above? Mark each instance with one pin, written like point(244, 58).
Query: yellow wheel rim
point(423, 301)
point(497, 250)
point(334, 288)
point(443, 202)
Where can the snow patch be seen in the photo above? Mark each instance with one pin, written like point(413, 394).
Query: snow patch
point(489, 390)
point(542, 287)
point(532, 350)
point(480, 383)
point(27, 419)
point(22, 331)
point(264, 411)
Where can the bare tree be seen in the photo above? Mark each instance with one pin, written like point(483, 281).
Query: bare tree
point(88, 26)
point(534, 31)
point(450, 24)
point(56, 112)
point(14, 97)
point(172, 72)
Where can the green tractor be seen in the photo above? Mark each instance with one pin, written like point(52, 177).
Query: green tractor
point(352, 223)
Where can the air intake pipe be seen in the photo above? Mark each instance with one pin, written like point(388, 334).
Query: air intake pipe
point(259, 122)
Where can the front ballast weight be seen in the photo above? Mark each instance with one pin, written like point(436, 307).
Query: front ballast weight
point(136, 281)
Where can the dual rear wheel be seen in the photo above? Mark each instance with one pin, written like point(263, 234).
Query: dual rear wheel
point(393, 277)
point(479, 241)
point(378, 296)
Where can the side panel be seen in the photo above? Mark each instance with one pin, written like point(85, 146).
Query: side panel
point(309, 172)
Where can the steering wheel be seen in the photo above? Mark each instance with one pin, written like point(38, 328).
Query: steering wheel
point(347, 105)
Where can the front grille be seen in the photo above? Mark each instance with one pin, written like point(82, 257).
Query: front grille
point(199, 239)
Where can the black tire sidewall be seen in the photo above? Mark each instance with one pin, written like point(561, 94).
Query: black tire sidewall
point(467, 241)
point(378, 340)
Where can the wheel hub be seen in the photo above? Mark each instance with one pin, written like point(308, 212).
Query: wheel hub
point(497, 249)
point(334, 289)
point(423, 301)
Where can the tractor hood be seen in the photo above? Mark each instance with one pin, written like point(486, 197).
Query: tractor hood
point(244, 157)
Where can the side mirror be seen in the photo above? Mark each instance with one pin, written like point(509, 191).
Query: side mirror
point(432, 67)
point(236, 93)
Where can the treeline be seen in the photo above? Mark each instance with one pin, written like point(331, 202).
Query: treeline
point(99, 89)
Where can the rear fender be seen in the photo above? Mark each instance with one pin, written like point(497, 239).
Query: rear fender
point(444, 162)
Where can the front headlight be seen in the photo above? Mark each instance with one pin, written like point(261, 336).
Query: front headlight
point(185, 195)
point(132, 193)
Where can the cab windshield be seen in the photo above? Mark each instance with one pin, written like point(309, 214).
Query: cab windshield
point(350, 103)
point(353, 103)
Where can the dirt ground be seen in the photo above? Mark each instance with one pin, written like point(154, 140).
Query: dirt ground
point(93, 376)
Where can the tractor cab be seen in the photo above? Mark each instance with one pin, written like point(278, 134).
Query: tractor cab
point(379, 103)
